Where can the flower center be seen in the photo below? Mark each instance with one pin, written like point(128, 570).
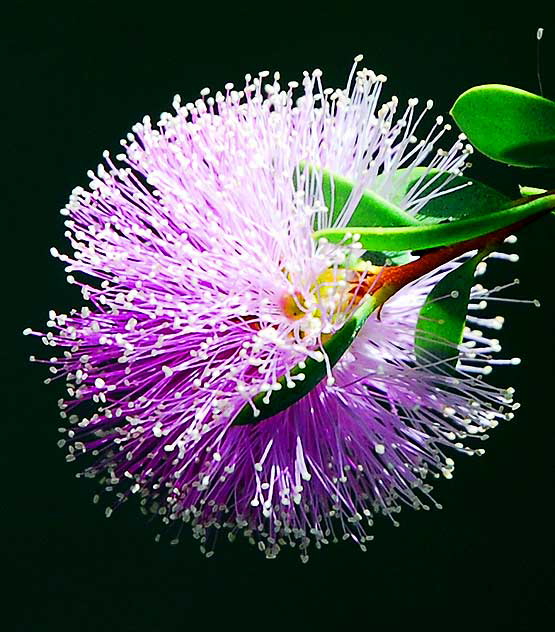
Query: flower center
point(330, 300)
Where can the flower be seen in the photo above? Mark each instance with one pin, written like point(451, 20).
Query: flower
point(203, 285)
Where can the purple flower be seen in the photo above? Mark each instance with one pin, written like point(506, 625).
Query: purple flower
point(194, 253)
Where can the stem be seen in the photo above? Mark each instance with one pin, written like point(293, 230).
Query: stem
point(393, 278)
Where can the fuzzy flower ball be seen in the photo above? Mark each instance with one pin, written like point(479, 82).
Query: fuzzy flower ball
point(203, 286)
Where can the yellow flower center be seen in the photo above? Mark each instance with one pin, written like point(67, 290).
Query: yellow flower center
point(335, 291)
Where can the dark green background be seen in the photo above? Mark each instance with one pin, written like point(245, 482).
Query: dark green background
point(75, 80)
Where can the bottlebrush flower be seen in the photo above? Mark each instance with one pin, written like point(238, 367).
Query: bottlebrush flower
point(203, 284)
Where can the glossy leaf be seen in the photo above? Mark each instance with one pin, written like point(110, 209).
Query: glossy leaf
point(524, 190)
point(371, 210)
point(509, 125)
point(433, 235)
point(313, 371)
point(442, 318)
point(469, 199)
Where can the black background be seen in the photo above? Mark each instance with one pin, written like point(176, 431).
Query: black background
point(75, 80)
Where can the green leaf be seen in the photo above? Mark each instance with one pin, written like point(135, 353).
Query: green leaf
point(433, 235)
point(471, 197)
point(314, 372)
point(471, 200)
point(524, 190)
point(371, 210)
point(509, 125)
point(442, 318)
